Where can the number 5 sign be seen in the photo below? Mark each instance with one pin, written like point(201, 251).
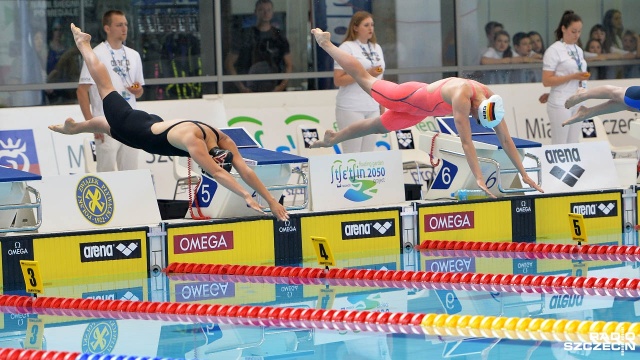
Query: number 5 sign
point(323, 251)
point(578, 230)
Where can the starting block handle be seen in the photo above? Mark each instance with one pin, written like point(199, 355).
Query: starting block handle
point(499, 171)
point(304, 185)
point(37, 204)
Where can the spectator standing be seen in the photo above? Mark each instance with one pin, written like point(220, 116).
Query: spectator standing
point(630, 44)
point(564, 71)
point(125, 69)
point(353, 103)
point(260, 49)
point(612, 23)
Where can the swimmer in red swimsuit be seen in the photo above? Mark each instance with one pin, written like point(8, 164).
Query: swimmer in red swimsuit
point(149, 132)
point(409, 103)
point(620, 98)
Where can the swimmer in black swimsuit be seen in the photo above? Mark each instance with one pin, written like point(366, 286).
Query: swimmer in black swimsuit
point(149, 132)
point(620, 99)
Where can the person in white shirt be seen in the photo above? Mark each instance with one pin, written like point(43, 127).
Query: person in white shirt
point(499, 53)
point(564, 70)
point(524, 54)
point(125, 68)
point(353, 103)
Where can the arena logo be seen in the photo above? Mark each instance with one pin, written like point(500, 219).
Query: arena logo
point(405, 139)
point(595, 209)
point(589, 129)
point(110, 250)
point(131, 294)
point(449, 221)
point(570, 177)
point(18, 151)
point(100, 337)
point(95, 200)
point(204, 291)
point(205, 242)
point(368, 229)
point(310, 136)
point(565, 156)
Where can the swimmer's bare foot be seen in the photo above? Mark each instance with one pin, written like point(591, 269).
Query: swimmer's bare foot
point(581, 115)
point(322, 37)
point(69, 127)
point(574, 99)
point(79, 36)
point(329, 137)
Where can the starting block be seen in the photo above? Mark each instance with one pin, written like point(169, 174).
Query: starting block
point(273, 168)
point(15, 195)
point(453, 172)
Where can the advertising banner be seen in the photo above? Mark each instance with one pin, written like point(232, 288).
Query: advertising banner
point(576, 167)
point(247, 242)
point(350, 181)
point(104, 200)
point(471, 221)
point(356, 239)
point(98, 256)
point(602, 213)
point(215, 291)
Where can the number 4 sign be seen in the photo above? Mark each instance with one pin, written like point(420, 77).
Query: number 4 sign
point(323, 251)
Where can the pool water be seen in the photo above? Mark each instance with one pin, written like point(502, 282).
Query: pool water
point(157, 335)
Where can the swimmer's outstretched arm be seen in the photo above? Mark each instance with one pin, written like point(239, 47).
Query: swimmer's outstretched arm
point(198, 152)
point(502, 131)
point(358, 129)
point(250, 178)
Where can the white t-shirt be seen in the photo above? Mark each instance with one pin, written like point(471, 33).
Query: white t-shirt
point(495, 76)
point(559, 59)
point(125, 59)
point(352, 97)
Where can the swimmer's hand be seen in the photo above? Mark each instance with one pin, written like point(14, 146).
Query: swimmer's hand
point(484, 187)
point(529, 181)
point(252, 203)
point(278, 211)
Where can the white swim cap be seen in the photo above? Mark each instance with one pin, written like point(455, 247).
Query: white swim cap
point(491, 112)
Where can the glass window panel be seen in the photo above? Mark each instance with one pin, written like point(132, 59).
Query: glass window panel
point(265, 38)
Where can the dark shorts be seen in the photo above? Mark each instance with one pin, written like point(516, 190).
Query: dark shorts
point(632, 97)
point(129, 126)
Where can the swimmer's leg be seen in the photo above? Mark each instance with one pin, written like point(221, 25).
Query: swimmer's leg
point(358, 129)
point(97, 124)
point(350, 64)
point(585, 113)
point(610, 92)
point(96, 68)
